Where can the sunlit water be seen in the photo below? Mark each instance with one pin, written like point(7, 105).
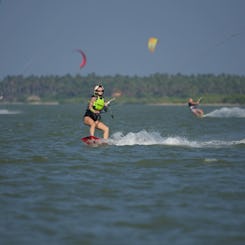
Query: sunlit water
point(165, 177)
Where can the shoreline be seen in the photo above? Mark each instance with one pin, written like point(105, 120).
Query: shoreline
point(152, 104)
point(30, 103)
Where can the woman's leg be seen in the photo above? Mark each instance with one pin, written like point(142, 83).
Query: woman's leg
point(197, 112)
point(89, 121)
point(200, 112)
point(104, 128)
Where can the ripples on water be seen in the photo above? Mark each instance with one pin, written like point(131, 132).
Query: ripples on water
point(165, 177)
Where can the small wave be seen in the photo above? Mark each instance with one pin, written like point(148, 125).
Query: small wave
point(227, 112)
point(154, 138)
point(210, 160)
point(8, 112)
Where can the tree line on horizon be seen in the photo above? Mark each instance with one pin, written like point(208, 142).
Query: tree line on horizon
point(155, 88)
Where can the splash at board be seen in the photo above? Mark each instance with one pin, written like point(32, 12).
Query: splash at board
point(145, 138)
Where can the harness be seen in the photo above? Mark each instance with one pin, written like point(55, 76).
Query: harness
point(192, 106)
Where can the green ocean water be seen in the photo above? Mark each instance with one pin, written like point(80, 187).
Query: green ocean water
point(165, 177)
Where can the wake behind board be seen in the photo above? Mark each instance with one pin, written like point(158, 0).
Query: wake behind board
point(93, 141)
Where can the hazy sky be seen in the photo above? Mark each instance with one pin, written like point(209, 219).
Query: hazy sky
point(195, 36)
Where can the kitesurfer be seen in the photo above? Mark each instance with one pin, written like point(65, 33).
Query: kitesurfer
point(194, 107)
point(92, 115)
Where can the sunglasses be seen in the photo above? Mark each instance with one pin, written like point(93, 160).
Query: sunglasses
point(100, 90)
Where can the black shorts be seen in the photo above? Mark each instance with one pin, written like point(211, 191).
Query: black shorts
point(92, 115)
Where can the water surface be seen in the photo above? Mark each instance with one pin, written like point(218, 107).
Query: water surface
point(165, 177)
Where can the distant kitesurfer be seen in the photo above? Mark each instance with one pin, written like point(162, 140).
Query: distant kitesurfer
point(194, 107)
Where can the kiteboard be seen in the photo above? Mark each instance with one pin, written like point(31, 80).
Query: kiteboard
point(93, 141)
point(200, 116)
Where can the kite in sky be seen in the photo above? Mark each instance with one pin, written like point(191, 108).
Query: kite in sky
point(84, 59)
point(152, 43)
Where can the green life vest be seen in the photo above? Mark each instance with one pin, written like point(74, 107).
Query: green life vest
point(99, 104)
